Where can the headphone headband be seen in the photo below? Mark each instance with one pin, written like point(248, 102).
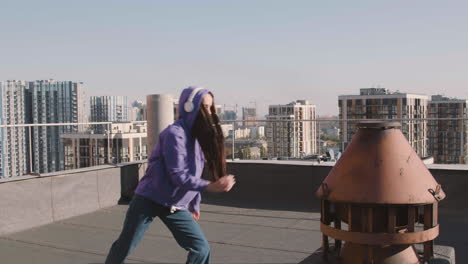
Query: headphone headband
point(188, 106)
point(194, 93)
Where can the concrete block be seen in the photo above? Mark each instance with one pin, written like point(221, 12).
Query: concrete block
point(108, 181)
point(25, 204)
point(74, 194)
point(442, 255)
point(129, 178)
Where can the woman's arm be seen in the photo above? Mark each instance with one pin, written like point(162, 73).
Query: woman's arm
point(175, 156)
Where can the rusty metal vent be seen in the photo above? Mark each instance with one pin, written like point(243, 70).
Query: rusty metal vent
point(382, 191)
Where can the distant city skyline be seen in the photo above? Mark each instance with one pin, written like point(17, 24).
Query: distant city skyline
point(262, 113)
point(267, 51)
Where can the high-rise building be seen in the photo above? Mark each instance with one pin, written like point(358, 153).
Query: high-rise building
point(257, 132)
point(125, 142)
point(108, 109)
point(229, 115)
point(288, 134)
point(448, 138)
point(14, 153)
point(219, 110)
point(249, 113)
point(50, 101)
point(137, 111)
point(379, 103)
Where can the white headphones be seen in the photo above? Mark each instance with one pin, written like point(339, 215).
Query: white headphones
point(188, 106)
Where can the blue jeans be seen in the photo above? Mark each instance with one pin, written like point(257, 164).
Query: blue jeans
point(141, 213)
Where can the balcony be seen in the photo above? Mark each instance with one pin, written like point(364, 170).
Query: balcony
point(271, 216)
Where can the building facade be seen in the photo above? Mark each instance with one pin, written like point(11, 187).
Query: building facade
point(137, 111)
point(50, 101)
point(219, 110)
point(242, 133)
point(229, 115)
point(249, 113)
point(257, 132)
point(381, 104)
point(125, 142)
point(14, 141)
point(333, 132)
point(108, 109)
point(288, 134)
point(448, 138)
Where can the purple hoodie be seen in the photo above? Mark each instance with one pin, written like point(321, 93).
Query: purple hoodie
point(175, 166)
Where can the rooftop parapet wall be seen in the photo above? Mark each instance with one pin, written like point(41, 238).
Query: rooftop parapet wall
point(293, 183)
point(34, 201)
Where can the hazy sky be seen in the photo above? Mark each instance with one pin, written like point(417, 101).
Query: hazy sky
point(267, 51)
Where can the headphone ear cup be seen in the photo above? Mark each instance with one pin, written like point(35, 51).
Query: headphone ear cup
point(188, 106)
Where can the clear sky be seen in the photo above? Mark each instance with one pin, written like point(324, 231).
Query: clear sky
point(267, 51)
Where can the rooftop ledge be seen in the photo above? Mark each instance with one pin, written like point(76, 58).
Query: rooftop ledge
point(461, 167)
point(331, 164)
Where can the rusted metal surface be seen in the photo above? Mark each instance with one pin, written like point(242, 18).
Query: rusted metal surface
point(379, 187)
point(391, 227)
point(428, 224)
point(380, 238)
point(325, 219)
point(380, 167)
point(411, 218)
point(337, 223)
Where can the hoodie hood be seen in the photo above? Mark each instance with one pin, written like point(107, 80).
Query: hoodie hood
point(188, 118)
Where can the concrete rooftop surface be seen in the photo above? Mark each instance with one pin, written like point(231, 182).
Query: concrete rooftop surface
point(236, 235)
point(270, 216)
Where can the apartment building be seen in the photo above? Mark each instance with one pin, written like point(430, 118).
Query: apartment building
point(288, 133)
point(448, 138)
point(125, 142)
point(381, 104)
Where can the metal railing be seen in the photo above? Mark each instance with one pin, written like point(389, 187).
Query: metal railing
point(40, 148)
point(339, 132)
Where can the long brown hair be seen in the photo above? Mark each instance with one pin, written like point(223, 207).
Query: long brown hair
point(207, 130)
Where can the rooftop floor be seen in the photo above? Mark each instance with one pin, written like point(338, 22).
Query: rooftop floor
point(236, 235)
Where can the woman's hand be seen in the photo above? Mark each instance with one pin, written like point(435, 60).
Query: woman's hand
point(196, 215)
point(223, 184)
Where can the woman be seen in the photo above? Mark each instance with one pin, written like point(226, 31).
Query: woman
point(172, 184)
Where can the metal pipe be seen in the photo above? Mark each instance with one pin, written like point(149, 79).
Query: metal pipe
point(30, 151)
point(56, 124)
point(233, 138)
point(96, 158)
point(258, 120)
point(108, 143)
point(462, 141)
